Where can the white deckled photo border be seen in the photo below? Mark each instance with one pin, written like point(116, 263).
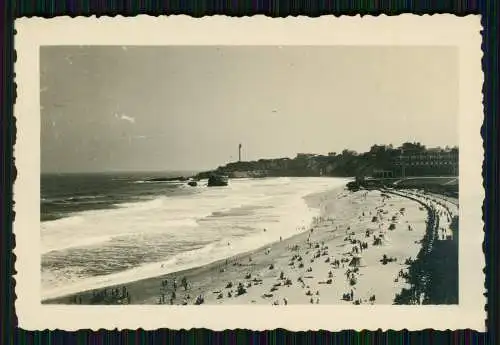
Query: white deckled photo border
point(403, 30)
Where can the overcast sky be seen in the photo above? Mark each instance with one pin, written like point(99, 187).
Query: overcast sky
point(188, 108)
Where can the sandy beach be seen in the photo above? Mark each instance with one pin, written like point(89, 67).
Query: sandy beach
point(356, 252)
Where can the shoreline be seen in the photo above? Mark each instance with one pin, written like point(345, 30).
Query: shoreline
point(311, 200)
point(272, 273)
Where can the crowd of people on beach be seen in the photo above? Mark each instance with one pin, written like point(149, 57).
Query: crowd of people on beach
point(114, 295)
point(315, 250)
point(168, 292)
point(302, 258)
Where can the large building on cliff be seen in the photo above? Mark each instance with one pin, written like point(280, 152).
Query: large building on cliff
point(434, 162)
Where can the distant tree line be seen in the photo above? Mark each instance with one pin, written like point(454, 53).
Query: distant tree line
point(346, 164)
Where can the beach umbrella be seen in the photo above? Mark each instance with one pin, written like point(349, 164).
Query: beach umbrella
point(357, 261)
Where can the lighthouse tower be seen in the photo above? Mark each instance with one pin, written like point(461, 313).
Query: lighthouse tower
point(239, 153)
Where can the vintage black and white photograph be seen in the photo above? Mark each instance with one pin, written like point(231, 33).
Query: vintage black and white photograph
point(279, 175)
point(249, 175)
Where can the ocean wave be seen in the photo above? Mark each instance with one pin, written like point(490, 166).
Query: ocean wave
point(63, 222)
point(160, 182)
point(71, 199)
point(54, 238)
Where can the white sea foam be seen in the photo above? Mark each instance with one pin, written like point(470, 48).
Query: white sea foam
point(276, 204)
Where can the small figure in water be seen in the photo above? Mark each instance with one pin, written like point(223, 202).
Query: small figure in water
point(185, 283)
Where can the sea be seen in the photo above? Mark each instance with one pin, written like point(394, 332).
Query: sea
point(103, 229)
